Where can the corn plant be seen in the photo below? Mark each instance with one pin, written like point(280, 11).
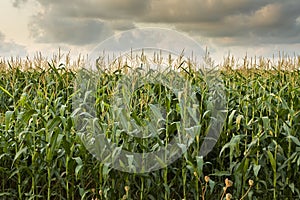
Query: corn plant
point(43, 156)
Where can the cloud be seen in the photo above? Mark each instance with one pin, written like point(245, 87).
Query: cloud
point(192, 11)
point(76, 31)
point(18, 3)
point(166, 40)
point(225, 22)
point(1, 37)
point(83, 22)
point(269, 24)
point(104, 9)
point(121, 25)
point(8, 49)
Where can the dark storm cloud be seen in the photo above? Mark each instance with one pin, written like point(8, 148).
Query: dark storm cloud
point(104, 9)
point(233, 22)
point(82, 22)
point(228, 22)
point(191, 11)
point(77, 31)
point(9, 49)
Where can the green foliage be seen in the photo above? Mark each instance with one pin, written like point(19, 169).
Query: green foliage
point(42, 156)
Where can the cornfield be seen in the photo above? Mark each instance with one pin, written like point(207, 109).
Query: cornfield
point(257, 155)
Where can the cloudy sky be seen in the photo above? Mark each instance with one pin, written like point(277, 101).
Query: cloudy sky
point(255, 27)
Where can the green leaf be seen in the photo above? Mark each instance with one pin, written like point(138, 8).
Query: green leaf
point(167, 188)
point(272, 160)
point(221, 173)
point(206, 113)
point(79, 166)
point(230, 118)
point(256, 169)
point(5, 194)
point(27, 115)
point(8, 116)
point(53, 123)
point(130, 160)
point(234, 142)
point(83, 193)
point(211, 185)
point(105, 170)
point(292, 186)
point(238, 121)
point(6, 92)
point(3, 155)
point(200, 162)
point(266, 123)
point(19, 153)
point(162, 163)
point(294, 139)
point(157, 113)
point(77, 169)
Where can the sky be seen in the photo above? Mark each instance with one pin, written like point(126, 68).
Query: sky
point(239, 27)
